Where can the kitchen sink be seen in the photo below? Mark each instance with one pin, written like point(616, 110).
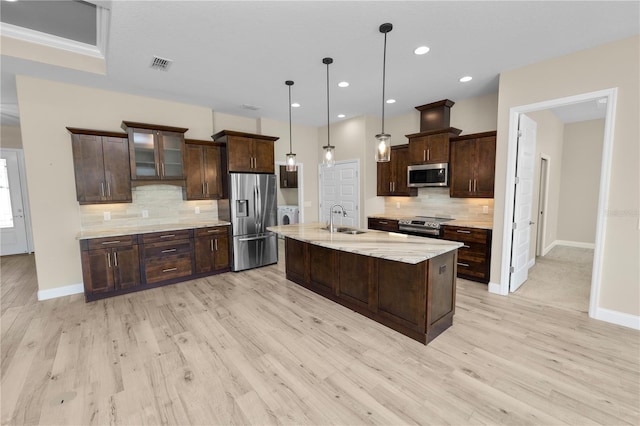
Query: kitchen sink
point(345, 230)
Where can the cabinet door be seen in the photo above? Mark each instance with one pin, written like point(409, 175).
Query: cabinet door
point(213, 173)
point(400, 162)
point(385, 178)
point(462, 168)
point(88, 162)
point(195, 172)
point(418, 150)
point(240, 154)
point(97, 271)
point(221, 253)
point(171, 151)
point(116, 168)
point(126, 267)
point(438, 148)
point(264, 161)
point(204, 253)
point(485, 167)
point(144, 154)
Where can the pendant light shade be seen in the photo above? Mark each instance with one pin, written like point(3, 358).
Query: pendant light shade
point(291, 157)
point(383, 140)
point(328, 158)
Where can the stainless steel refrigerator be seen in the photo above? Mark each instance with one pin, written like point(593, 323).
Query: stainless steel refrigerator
point(251, 208)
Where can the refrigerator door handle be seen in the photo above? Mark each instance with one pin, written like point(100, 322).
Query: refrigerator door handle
point(263, 237)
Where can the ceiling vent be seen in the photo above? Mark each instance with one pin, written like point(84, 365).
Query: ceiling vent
point(161, 64)
point(250, 107)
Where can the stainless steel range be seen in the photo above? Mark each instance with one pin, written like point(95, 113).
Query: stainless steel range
point(424, 226)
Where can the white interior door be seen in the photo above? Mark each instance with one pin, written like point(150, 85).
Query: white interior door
point(339, 184)
point(13, 230)
point(521, 232)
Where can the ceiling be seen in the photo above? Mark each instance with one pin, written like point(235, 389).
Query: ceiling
point(232, 53)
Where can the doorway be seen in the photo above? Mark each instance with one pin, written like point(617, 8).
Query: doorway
point(543, 201)
point(339, 184)
point(609, 98)
point(15, 226)
point(288, 195)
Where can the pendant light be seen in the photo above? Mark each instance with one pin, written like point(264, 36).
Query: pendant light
point(328, 159)
point(291, 157)
point(383, 140)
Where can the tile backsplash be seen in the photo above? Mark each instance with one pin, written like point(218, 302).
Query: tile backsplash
point(436, 202)
point(162, 204)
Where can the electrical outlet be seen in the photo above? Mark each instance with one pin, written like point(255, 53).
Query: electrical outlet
point(397, 204)
point(107, 215)
point(197, 209)
point(485, 209)
point(145, 213)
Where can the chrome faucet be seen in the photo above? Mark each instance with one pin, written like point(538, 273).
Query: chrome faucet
point(331, 212)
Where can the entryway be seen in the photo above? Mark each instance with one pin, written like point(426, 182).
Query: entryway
point(339, 184)
point(15, 227)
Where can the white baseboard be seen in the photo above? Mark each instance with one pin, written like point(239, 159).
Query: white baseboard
point(60, 291)
point(497, 289)
point(531, 263)
point(618, 318)
point(568, 243)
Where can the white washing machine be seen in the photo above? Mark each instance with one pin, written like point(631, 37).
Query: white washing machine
point(288, 215)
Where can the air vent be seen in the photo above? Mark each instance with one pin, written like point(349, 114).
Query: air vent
point(250, 107)
point(161, 64)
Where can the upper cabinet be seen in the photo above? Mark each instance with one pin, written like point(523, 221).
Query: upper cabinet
point(157, 152)
point(431, 146)
point(247, 152)
point(288, 179)
point(205, 166)
point(473, 161)
point(101, 166)
point(392, 175)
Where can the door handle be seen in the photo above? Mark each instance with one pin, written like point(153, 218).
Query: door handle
point(254, 238)
point(115, 258)
point(531, 223)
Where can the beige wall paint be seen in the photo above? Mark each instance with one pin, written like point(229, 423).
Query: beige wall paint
point(11, 137)
point(475, 115)
point(549, 139)
point(222, 121)
point(46, 108)
point(580, 181)
point(612, 65)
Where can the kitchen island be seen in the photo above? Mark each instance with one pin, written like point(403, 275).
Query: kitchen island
point(404, 282)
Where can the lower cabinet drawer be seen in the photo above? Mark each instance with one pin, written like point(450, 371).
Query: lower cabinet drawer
point(472, 268)
point(166, 268)
point(167, 249)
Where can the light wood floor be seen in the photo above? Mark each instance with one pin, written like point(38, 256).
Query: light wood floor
point(253, 348)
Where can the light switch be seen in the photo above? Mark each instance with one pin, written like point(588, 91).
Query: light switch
point(145, 213)
point(485, 209)
point(107, 215)
point(197, 209)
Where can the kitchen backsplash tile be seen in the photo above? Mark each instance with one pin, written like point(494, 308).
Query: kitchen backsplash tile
point(436, 202)
point(162, 203)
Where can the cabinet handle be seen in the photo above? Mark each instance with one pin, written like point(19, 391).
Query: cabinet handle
point(102, 189)
point(115, 258)
point(424, 155)
point(383, 222)
point(203, 193)
point(469, 185)
point(169, 250)
point(206, 185)
point(475, 185)
point(110, 242)
point(465, 246)
point(108, 189)
point(429, 155)
point(460, 231)
point(162, 165)
point(390, 187)
point(168, 236)
point(211, 244)
point(216, 244)
point(170, 270)
point(157, 168)
point(109, 259)
point(212, 231)
point(466, 265)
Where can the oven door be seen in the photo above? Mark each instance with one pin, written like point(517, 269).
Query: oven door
point(419, 231)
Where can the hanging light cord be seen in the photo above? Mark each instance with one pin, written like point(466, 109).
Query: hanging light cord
point(290, 150)
point(328, 132)
point(384, 69)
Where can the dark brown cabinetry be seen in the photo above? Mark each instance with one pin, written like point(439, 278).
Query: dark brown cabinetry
point(126, 263)
point(288, 179)
point(247, 152)
point(205, 174)
point(101, 166)
point(417, 300)
point(474, 257)
point(212, 249)
point(156, 152)
point(473, 160)
point(392, 175)
point(389, 225)
point(431, 147)
point(109, 264)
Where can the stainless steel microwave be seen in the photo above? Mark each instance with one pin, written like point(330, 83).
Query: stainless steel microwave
point(428, 175)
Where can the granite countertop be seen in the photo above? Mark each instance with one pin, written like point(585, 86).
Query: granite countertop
point(145, 229)
point(481, 224)
point(385, 245)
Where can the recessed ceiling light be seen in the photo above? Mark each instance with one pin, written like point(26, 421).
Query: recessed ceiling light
point(295, 105)
point(391, 101)
point(421, 50)
point(465, 79)
point(343, 84)
point(341, 116)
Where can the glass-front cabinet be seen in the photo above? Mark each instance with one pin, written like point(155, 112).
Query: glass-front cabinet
point(157, 152)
